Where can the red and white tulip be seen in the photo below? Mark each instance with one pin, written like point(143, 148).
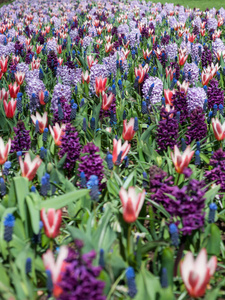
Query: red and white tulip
point(85, 77)
point(57, 132)
point(181, 161)
point(106, 100)
point(4, 150)
point(118, 148)
point(100, 85)
point(3, 63)
point(51, 221)
point(4, 95)
point(196, 273)
point(19, 76)
point(29, 168)
point(168, 96)
point(128, 130)
point(10, 108)
point(42, 121)
point(132, 203)
point(14, 90)
point(218, 129)
point(56, 267)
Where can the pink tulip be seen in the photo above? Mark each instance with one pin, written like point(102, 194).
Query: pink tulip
point(29, 168)
point(51, 221)
point(181, 161)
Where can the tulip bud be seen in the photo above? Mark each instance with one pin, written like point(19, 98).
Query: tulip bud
point(49, 168)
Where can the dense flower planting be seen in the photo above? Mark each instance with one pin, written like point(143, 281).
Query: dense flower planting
point(111, 151)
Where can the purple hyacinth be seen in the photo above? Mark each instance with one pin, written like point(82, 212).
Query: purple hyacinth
point(196, 98)
point(167, 131)
point(206, 57)
point(60, 90)
point(186, 203)
point(157, 90)
point(215, 94)
point(171, 50)
point(52, 61)
point(198, 128)
point(217, 174)
point(22, 140)
point(180, 104)
point(66, 108)
point(80, 280)
point(91, 163)
point(70, 146)
point(191, 72)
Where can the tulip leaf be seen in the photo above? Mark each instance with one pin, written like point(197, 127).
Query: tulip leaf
point(34, 214)
point(61, 201)
point(148, 285)
point(210, 194)
point(213, 245)
point(128, 180)
point(21, 189)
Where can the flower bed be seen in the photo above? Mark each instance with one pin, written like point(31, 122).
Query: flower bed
point(111, 151)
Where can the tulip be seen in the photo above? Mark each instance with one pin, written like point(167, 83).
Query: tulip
point(183, 87)
point(191, 37)
point(85, 77)
point(128, 130)
point(10, 108)
point(168, 96)
point(106, 101)
point(3, 63)
point(39, 48)
point(202, 31)
point(41, 97)
point(59, 49)
point(19, 76)
point(60, 61)
point(42, 121)
point(196, 273)
point(51, 221)
point(170, 72)
point(206, 77)
point(4, 95)
point(181, 161)
point(57, 132)
point(14, 90)
point(4, 150)
point(35, 64)
point(132, 203)
point(100, 85)
point(147, 53)
point(182, 57)
point(28, 167)
point(141, 73)
point(119, 149)
point(90, 61)
point(218, 129)
point(56, 268)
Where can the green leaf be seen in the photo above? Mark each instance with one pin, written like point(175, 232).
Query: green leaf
point(61, 201)
point(210, 194)
point(61, 162)
point(213, 245)
point(148, 285)
point(152, 245)
point(34, 214)
point(22, 190)
point(128, 180)
point(79, 234)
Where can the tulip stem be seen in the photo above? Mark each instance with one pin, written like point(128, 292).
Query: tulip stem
point(129, 246)
point(177, 179)
point(51, 244)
